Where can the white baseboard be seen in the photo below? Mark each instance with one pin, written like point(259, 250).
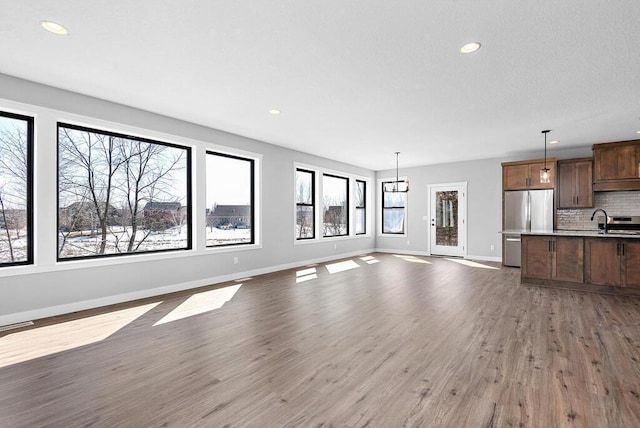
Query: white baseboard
point(152, 292)
point(411, 253)
point(484, 258)
point(426, 254)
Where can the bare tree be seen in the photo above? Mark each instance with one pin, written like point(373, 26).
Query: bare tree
point(13, 183)
point(148, 172)
point(304, 214)
point(88, 166)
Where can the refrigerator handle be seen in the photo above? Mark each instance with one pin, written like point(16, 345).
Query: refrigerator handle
point(528, 214)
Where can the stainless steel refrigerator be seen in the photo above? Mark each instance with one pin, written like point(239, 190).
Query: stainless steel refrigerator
point(524, 211)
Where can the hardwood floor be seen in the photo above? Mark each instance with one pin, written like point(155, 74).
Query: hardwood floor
point(391, 342)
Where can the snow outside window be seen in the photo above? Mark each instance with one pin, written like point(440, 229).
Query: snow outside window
point(16, 178)
point(120, 195)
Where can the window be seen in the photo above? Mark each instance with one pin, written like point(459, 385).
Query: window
point(335, 197)
point(305, 204)
point(16, 189)
point(119, 194)
point(230, 200)
point(393, 212)
point(361, 207)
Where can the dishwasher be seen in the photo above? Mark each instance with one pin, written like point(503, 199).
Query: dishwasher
point(512, 250)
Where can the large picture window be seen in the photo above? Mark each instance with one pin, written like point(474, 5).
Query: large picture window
point(335, 198)
point(119, 194)
point(361, 207)
point(305, 204)
point(393, 212)
point(230, 200)
point(16, 193)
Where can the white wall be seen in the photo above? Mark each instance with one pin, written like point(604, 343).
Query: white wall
point(49, 288)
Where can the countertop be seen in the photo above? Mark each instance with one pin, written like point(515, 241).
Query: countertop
point(577, 233)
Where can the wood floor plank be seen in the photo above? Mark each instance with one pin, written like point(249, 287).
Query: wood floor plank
point(407, 341)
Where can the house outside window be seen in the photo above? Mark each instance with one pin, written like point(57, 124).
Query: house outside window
point(335, 196)
point(230, 200)
point(119, 194)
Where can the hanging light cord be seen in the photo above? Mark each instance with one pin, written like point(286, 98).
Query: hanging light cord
point(397, 179)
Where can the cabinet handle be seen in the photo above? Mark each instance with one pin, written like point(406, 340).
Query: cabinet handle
point(549, 246)
point(623, 248)
point(577, 200)
point(617, 249)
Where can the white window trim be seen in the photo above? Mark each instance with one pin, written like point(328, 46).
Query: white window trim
point(45, 191)
point(318, 173)
point(379, 202)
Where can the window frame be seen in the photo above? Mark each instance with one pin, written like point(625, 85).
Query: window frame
point(189, 191)
point(30, 120)
point(384, 208)
point(252, 210)
point(312, 204)
point(363, 207)
point(347, 180)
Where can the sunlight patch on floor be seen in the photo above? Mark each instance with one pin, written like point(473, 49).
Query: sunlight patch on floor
point(306, 275)
point(342, 266)
point(412, 259)
point(472, 264)
point(370, 260)
point(39, 342)
point(200, 303)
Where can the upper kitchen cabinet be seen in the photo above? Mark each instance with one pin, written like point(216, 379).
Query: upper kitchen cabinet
point(617, 166)
point(524, 175)
point(575, 183)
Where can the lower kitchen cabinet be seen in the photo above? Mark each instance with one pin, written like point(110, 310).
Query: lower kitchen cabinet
point(613, 262)
point(553, 258)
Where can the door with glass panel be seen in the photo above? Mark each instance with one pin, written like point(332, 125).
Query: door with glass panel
point(448, 223)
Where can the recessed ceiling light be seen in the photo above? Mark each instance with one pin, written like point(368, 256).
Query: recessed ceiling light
point(637, 132)
point(274, 111)
point(470, 47)
point(554, 142)
point(54, 28)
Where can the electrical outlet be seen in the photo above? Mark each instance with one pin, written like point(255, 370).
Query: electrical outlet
point(408, 242)
point(492, 247)
point(235, 260)
point(335, 246)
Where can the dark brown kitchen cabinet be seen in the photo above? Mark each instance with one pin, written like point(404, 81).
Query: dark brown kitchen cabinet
point(556, 258)
point(522, 175)
point(575, 183)
point(614, 262)
point(617, 166)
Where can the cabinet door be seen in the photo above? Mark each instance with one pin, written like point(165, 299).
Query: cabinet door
point(537, 257)
point(534, 174)
point(568, 259)
point(566, 185)
point(631, 263)
point(627, 162)
point(618, 162)
point(584, 184)
point(602, 261)
point(515, 177)
point(606, 163)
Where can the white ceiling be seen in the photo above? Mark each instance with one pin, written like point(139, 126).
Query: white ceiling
point(356, 80)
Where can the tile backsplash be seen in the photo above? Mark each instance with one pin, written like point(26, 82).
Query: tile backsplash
point(614, 203)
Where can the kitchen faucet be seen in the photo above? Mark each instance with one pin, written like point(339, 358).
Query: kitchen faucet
point(606, 218)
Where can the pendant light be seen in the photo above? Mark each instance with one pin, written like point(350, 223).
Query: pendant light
point(396, 186)
point(544, 172)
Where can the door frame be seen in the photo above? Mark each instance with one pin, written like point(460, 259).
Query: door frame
point(462, 214)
